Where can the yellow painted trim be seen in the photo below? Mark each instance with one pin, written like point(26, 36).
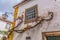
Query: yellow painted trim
point(13, 24)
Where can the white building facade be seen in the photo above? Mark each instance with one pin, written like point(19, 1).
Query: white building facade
point(43, 7)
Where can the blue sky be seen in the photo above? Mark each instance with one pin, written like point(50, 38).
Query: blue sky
point(7, 6)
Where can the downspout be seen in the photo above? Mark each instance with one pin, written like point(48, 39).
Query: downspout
point(11, 30)
point(14, 23)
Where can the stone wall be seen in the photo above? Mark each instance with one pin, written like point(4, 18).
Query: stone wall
point(44, 6)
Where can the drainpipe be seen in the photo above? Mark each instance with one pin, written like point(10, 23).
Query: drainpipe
point(14, 23)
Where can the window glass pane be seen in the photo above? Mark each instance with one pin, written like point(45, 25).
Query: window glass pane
point(53, 38)
point(31, 13)
point(8, 26)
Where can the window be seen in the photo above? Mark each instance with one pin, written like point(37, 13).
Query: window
point(8, 26)
point(51, 35)
point(28, 38)
point(31, 14)
point(57, 0)
point(53, 38)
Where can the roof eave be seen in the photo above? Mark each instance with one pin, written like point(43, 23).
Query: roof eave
point(5, 20)
point(21, 3)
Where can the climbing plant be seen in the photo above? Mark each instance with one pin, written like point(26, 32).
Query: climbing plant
point(3, 32)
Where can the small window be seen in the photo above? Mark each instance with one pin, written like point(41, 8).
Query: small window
point(8, 26)
point(51, 35)
point(31, 14)
point(53, 38)
point(28, 38)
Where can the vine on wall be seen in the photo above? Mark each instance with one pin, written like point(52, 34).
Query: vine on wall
point(50, 15)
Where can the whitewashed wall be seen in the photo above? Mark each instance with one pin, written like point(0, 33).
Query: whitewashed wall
point(43, 7)
point(3, 25)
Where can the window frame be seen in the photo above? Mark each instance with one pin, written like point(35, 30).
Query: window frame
point(33, 19)
point(52, 33)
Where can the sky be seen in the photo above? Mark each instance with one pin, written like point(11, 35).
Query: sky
point(7, 6)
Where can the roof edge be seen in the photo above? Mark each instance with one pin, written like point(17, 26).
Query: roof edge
point(5, 20)
point(21, 3)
